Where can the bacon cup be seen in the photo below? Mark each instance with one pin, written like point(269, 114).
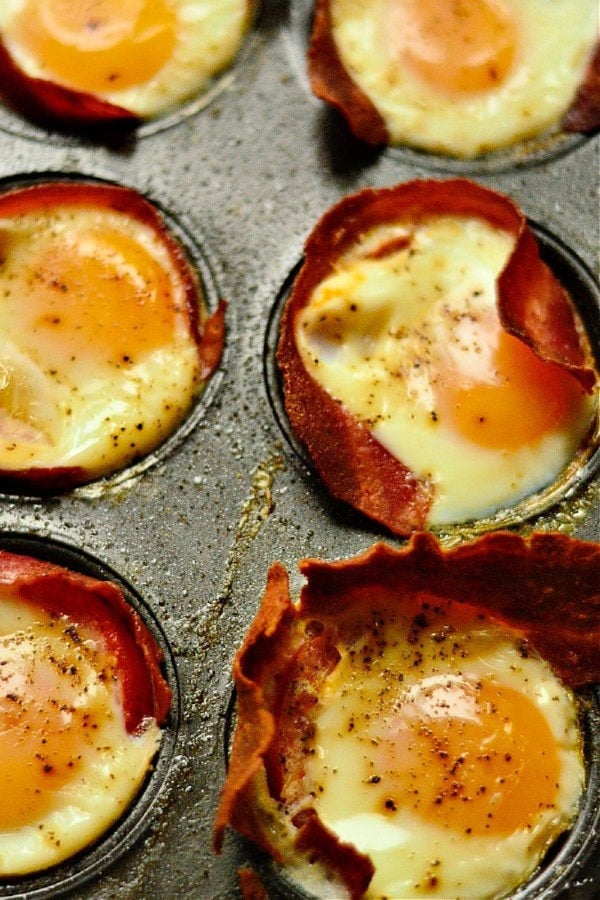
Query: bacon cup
point(106, 340)
point(82, 65)
point(461, 80)
point(433, 366)
point(82, 702)
point(408, 727)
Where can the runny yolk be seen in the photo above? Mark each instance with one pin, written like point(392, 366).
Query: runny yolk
point(521, 398)
point(99, 295)
point(44, 726)
point(476, 757)
point(97, 45)
point(455, 46)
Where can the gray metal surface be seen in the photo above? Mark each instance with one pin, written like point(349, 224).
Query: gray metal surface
point(247, 175)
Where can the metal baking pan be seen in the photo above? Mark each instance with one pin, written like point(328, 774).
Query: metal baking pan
point(244, 175)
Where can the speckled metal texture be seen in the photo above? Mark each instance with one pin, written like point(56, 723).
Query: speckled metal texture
point(192, 534)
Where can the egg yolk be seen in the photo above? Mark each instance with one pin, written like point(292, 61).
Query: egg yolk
point(473, 756)
point(518, 400)
point(47, 717)
point(454, 46)
point(98, 45)
point(98, 295)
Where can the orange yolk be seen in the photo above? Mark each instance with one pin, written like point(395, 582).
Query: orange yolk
point(519, 401)
point(454, 46)
point(101, 296)
point(43, 728)
point(98, 45)
point(475, 757)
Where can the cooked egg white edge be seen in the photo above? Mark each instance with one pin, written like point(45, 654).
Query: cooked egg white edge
point(403, 851)
point(374, 359)
point(108, 779)
point(552, 61)
point(211, 33)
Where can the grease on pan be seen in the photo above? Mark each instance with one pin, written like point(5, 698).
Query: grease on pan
point(398, 738)
point(461, 78)
point(432, 365)
point(82, 703)
point(103, 60)
point(105, 342)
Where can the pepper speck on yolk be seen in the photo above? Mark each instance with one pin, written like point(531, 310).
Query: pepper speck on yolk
point(101, 295)
point(476, 757)
point(458, 47)
point(98, 45)
point(48, 716)
point(517, 401)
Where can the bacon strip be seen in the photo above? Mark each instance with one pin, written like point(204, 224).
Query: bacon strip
point(101, 606)
point(330, 81)
point(532, 304)
point(584, 114)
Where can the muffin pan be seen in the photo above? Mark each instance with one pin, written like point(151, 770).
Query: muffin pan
point(242, 176)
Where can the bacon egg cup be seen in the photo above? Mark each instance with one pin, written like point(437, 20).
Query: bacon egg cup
point(106, 340)
point(433, 366)
point(83, 702)
point(458, 79)
point(409, 727)
point(110, 62)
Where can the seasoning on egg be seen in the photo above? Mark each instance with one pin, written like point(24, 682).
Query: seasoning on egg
point(82, 702)
point(445, 761)
point(461, 383)
point(113, 345)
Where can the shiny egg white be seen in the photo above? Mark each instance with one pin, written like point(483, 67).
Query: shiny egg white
point(386, 334)
point(68, 767)
point(147, 57)
point(394, 684)
point(88, 378)
point(468, 78)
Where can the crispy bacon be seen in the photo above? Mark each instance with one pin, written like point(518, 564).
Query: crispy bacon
point(546, 587)
point(532, 304)
point(101, 606)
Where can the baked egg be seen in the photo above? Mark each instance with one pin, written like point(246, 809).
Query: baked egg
point(407, 338)
point(461, 78)
point(82, 701)
point(393, 739)
point(105, 341)
point(141, 57)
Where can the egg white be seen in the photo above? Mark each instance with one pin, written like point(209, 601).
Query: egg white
point(63, 409)
point(112, 764)
point(210, 33)
point(414, 857)
point(552, 56)
point(372, 331)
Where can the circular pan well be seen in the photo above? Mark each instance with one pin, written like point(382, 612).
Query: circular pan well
point(199, 259)
point(73, 874)
point(585, 291)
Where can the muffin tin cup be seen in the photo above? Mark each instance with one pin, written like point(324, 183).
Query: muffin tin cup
point(75, 873)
